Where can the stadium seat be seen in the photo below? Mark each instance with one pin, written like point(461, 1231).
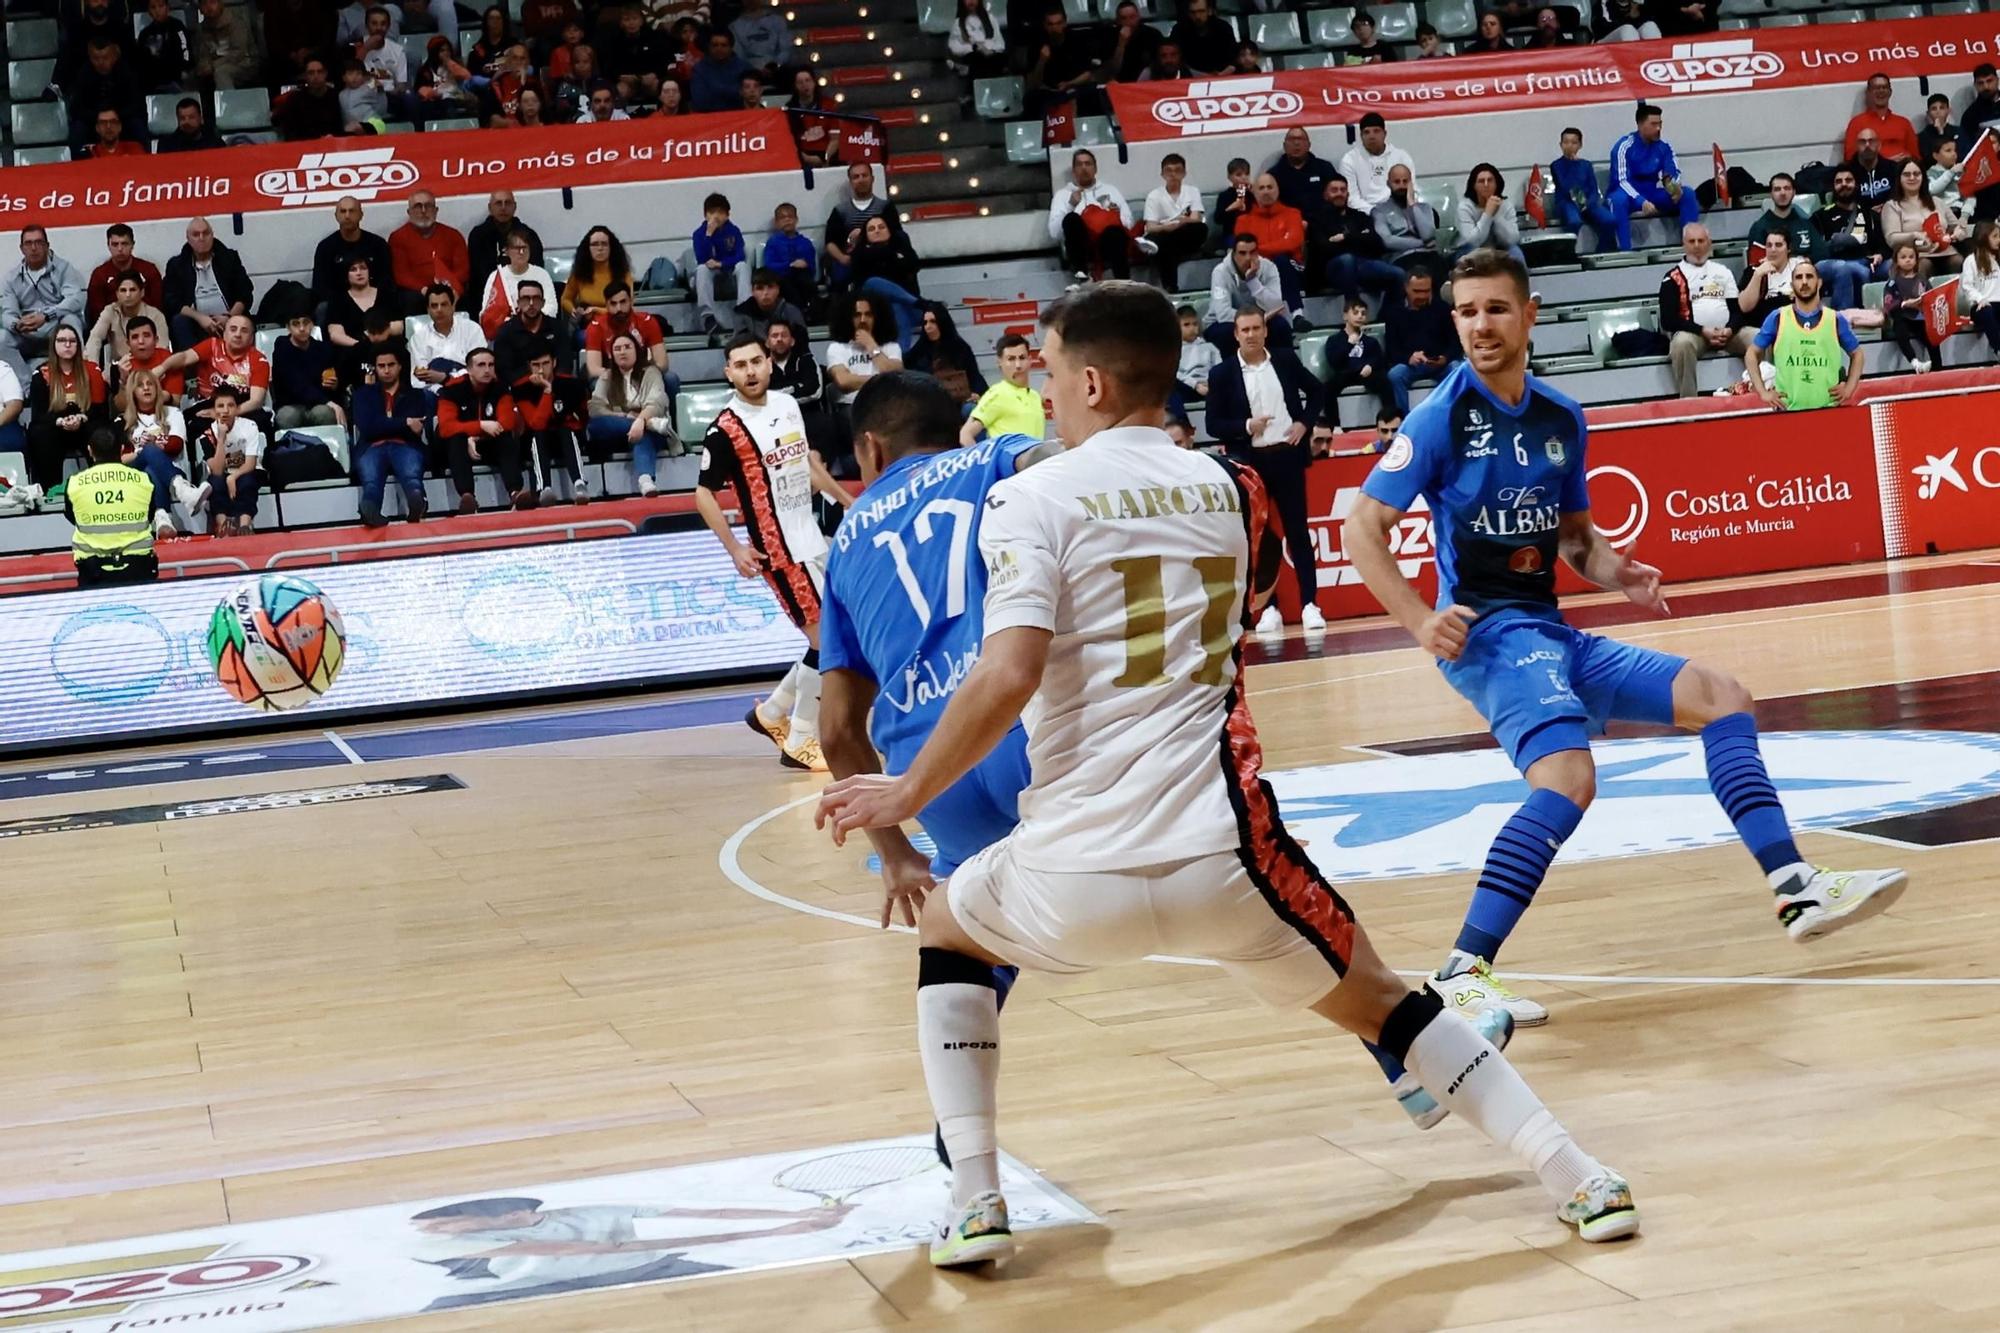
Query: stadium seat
point(1871, 295)
point(695, 409)
point(1274, 32)
point(1094, 132)
point(1733, 25)
point(40, 123)
point(1842, 16)
point(41, 157)
point(161, 117)
point(242, 109)
point(1444, 199)
point(416, 48)
point(1608, 324)
point(559, 267)
point(1148, 9)
point(452, 123)
point(998, 99)
point(31, 39)
point(1330, 28)
point(1396, 23)
point(1080, 11)
point(1024, 142)
point(28, 80)
point(1956, 7)
point(398, 127)
point(1785, 21)
point(935, 16)
point(1311, 350)
point(1743, 9)
point(1310, 60)
point(1453, 18)
point(1886, 13)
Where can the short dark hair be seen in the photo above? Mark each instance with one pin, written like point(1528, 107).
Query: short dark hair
point(743, 340)
point(1486, 262)
point(1355, 302)
point(138, 322)
point(1129, 330)
point(1777, 176)
point(1567, 131)
point(486, 352)
point(526, 283)
point(439, 289)
point(1361, 16)
point(762, 277)
point(1386, 412)
point(132, 278)
point(226, 390)
point(377, 320)
point(1646, 111)
point(1984, 70)
point(117, 231)
point(714, 202)
point(1008, 342)
point(187, 102)
point(1186, 312)
point(1243, 238)
point(906, 410)
point(1427, 29)
point(1935, 98)
point(1083, 152)
point(1173, 160)
point(1236, 164)
point(617, 287)
point(105, 446)
point(1373, 121)
point(478, 1208)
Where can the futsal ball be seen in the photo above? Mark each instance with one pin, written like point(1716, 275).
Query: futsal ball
point(276, 643)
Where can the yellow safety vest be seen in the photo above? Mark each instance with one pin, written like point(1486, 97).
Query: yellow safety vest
point(113, 505)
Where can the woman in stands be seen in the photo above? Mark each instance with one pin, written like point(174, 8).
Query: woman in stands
point(978, 47)
point(1492, 36)
point(1911, 216)
point(531, 109)
point(496, 34)
point(628, 409)
point(497, 301)
point(673, 100)
point(1250, 59)
point(885, 265)
point(940, 352)
point(1485, 218)
point(571, 86)
point(1979, 285)
point(443, 84)
point(347, 316)
point(155, 436)
point(600, 261)
point(66, 399)
point(813, 137)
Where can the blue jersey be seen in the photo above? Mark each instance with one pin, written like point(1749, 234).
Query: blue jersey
point(904, 592)
point(1498, 480)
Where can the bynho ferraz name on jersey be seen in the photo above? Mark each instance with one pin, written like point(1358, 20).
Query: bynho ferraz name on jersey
point(1208, 497)
point(876, 509)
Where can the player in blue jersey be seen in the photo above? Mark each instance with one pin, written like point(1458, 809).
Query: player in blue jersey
point(1499, 457)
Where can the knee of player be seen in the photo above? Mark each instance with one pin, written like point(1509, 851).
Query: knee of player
point(1568, 773)
point(1714, 694)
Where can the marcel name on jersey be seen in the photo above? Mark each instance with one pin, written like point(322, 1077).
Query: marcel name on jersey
point(1208, 497)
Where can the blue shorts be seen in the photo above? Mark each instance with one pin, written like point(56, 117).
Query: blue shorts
point(1543, 687)
point(980, 808)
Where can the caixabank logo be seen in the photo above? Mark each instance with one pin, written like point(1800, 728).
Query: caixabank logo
point(1713, 66)
point(1225, 106)
point(321, 178)
point(120, 1285)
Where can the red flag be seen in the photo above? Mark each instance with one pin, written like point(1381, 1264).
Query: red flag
point(1934, 230)
point(1755, 254)
point(1059, 124)
point(1533, 202)
point(1982, 166)
point(1941, 312)
point(1722, 199)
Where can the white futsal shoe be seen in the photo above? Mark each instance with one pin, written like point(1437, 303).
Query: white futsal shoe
point(1496, 1025)
point(1476, 989)
point(1826, 900)
point(978, 1233)
point(1602, 1209)
point(1271, 622)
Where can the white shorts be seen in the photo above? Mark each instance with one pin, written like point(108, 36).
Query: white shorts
point(1209, 907)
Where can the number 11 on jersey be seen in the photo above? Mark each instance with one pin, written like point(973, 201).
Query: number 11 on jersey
point(1146, 618)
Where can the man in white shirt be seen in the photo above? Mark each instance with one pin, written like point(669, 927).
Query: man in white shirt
point(1099, 239)
point(1366, 165)
point(1698, 310)
point(388, 65)
point(441, 345)
point(1244, 280)
point(1176, 222)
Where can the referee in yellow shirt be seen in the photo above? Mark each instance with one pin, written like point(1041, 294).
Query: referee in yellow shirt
point(1009, 407)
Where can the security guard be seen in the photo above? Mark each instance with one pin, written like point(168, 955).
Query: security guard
point(112, 507)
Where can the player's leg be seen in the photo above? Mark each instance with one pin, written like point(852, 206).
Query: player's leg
point(771, 716)
point(1620, 206)
point(802, 740)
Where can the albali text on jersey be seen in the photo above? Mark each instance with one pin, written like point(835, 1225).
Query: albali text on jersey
point(762, 453)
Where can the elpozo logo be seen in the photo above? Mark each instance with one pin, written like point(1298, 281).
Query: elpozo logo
point(1220, 106)
point(1712, 67)
point(106, 1288)
point(321, 178)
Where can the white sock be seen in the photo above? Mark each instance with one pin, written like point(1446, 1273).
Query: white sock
point(1470, 1078)
point(1789, 878)
point(805, 712)
point(958, 1033)
point(779, 706)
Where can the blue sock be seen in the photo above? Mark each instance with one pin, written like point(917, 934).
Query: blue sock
point(1004, 977)
point(1516, 864)
point(1736, 774)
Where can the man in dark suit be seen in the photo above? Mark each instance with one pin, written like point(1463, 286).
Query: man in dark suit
point(1262, 405)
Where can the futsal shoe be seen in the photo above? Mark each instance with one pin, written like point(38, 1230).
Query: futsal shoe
point(1827, 900)
point(1270, 622)
point(978, 1233)
point(1476, 989)
point(777, 732)
point(1311, 620)
point(803, 753)
point(1496, 1025)
point(1602, 1209)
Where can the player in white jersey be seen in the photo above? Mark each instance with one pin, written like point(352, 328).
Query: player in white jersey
point(1119, 588)
point(758, 446)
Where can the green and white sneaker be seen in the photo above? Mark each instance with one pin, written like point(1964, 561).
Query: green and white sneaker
point(1602, 1209)
point(1424, 1110)
point(975, 1234)
point(1827, 900)
point(1476, 989)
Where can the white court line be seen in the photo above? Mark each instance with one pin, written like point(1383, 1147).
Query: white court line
point(730, 863)
point(334, 739)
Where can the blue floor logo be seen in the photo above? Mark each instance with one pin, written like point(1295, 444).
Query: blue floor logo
point(1436, 814)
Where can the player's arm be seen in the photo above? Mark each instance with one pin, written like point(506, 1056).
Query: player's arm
point(747, 561)
point(1365, 538)
point(1584, 550)
point(844, 699)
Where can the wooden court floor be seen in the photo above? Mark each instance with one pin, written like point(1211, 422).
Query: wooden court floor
point(549, 976)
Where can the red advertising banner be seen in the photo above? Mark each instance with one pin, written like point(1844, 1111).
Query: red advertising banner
point(1765, 58)
point(1938, 467)
point(259, 178)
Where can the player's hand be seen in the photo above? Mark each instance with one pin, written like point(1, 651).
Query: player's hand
point(749, 562)
point(1769, 393)
point(1843, 393)
point(864, 801)
point(1641, 585)
point(906, 880)
point(1443, 632)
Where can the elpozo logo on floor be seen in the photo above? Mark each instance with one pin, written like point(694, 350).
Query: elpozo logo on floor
point(1436, 814)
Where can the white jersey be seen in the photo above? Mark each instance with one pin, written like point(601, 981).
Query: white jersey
point(1135, 554)
point(762, 452)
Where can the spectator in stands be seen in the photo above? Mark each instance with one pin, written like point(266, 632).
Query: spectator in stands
point(1903, 307)
point(629, 409)
point(347, 242)
point(1805, 348)
point(501, 299)
point(941, 353)
point(1345, 249)
point(1368, 163)
point(155, 438)
point(66, 398)
point(1485, 218)
point(1011, 407)
point(1937, 128)
point(1874, 176)
point(1245, 280)
point(1234, 199)
point(432, 16)
point(192, 132)
point(486, 243)
point(634, 57)
point(1281, 238)
point(600, 262)
point(550, 407)
point(844, 220)
point(1548, 32)
point(144, 352)
point(1852, 236)
point(1783, 215)
point(500, 96)
point(232, 452)
point(350, 22)
point(763, 40)
point(1354, 360)
point(1981, 111)
point(387, 63)
point(13, 402)
point(1895, 137)
point(618, 317)
point(792, 257)
point(1408, 226)
point(1066, 65)
point(109, 139)
point(1301, 174)
point(1429, 46)
point(1250, 59)
point(41, 295)
point(750, 89)
point(530, 111)
point(389, 421)
point(1767, 284)
point(1206, 41)
point(305, 378)
point(424, 251)
point(977, 44)
point(1132, 45)
point(1979, 284)
point(1912, 217)
point(1091, 221)
point(600, 107)
point(1624, 21)
point(106, 339)
point(165, 49)
point(225, 54)
point(347, 310)
point(861, 343)
point(441, 343)
point(1418, 339)
point(1175, 219)
point(719, 252)
point(312, 110)
point(119, 260)
point(233, 359)
point(1167, 66)
point(1645, 178)
point(1577, 197)
point(474, 410)
point(1491, 37)
point(713, 84)
point(1367, 49)
point(1944, 177)
point(530, 331)
point(1683, 18)
point(1199, 357)
point(767, 302)
point(295, 31)
point(1698, 309)
point(443, 86)
point(496, 35)
point(203, 285)
point(106, 82)
point(794, 371)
